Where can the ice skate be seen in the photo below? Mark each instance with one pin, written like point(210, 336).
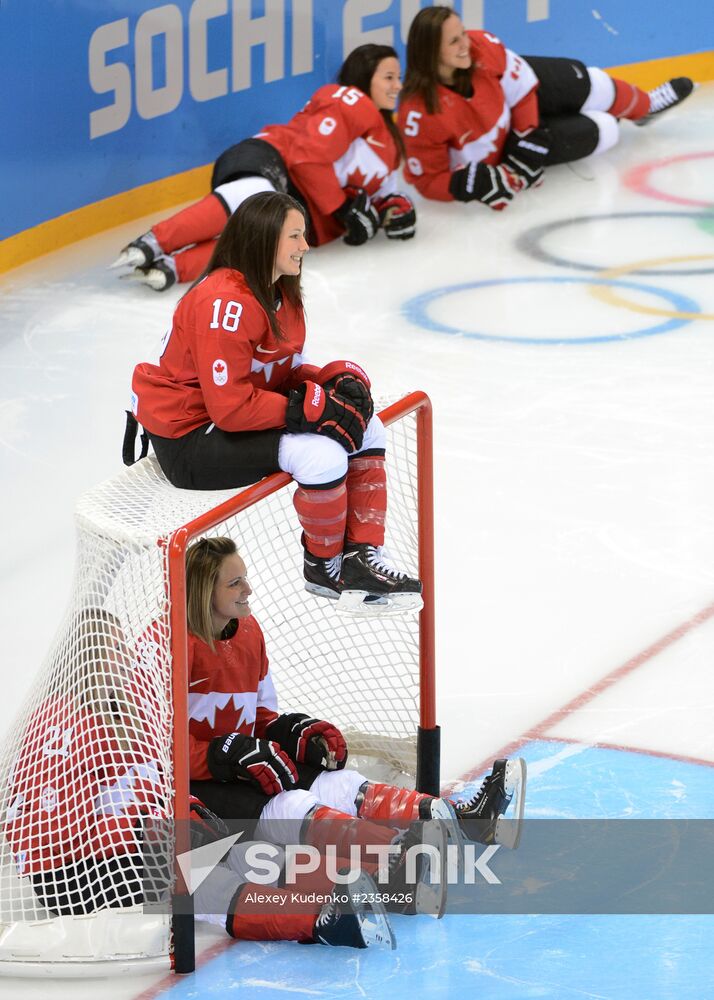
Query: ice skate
point(667, 96)
point(371, 585)
point(481, 818)
point(141, 252)
point(322, 576)
point(159, 276)
point(427, 893)
point(357, 920)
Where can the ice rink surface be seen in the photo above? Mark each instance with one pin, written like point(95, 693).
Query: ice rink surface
point(567, 347)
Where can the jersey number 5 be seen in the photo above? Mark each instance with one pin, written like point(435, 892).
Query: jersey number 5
point(229, 317)
point(412, 124)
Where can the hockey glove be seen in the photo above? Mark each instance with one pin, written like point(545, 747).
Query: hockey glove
point(206, 827)
point(526, 154)
point(359, 217)
point(493, 186)
point(348, 380)
point(310, 741)
point(312, 410)
point(397, 216)
point(262, 762)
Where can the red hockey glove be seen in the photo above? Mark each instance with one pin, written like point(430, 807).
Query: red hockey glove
point(312, 410)
point(310, 741)
point(397, 216)
point(526, 154)
point(494, 186)
point(348, 380)
point(261, 761)
point(206, 827)
point(358, 216)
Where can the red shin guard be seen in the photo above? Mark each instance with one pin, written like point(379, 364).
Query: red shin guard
point(630, 102)
point(366, 499)
point(398, 806)
point(204, 220)
point(331, 828)
point(323, 515)
point(250, 922)
point(192, 262)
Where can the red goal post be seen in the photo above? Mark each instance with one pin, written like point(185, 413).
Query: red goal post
point(374, 677)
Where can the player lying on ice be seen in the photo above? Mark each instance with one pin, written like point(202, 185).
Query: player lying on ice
point(282, 776)
point(338, 156)
point(480, 122)
point(87, 810)
point(233, 398)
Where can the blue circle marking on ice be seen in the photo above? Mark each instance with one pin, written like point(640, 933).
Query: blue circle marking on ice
point(416, 310)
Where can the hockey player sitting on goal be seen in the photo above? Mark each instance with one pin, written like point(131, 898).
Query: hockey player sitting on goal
point(338, 156)
point(87, 811)
point(283, 775)
point(480, 122)
point(233, 399)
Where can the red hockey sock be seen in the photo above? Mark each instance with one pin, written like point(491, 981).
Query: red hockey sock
point(204, 220)
point(366, 499)
point(330, 827)
point(322, 514)
point(192, 262)
point(250, 922)
point(630, 102)
point(387, 802)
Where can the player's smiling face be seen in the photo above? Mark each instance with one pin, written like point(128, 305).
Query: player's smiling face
point(292, 245)
point(454, 52)
point(231, 593)
point(385, 84)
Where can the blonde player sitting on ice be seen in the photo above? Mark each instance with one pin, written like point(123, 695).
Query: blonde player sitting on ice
point(283, 775)
point(86, 821)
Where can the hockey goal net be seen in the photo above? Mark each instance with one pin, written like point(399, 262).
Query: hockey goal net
point(103, 729)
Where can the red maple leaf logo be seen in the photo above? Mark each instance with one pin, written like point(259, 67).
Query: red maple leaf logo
point(356, 179)
point(218, 368)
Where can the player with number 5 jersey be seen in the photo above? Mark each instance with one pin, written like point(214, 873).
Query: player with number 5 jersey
point(481, 122)
point(234, 399)
point(338, 157)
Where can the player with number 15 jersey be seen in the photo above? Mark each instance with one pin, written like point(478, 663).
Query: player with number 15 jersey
point(338, 157)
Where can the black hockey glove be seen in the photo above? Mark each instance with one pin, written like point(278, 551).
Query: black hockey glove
point(397, 216)
point(312, 410)
point(310, 741)
point(359, 217)
point(526, 154)
point(494, 186)
point(348, 380)
point(206, 827)
point(263, 762)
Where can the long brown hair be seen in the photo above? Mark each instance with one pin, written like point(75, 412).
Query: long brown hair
point(423, 45)
point(203, 564)
point(357, 71)
point(249, 243)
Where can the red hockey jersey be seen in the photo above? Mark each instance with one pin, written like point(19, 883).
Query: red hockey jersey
point(465, 130)
point(221, 364)
point(230, 690)
point(76, 790)
point(338, 140)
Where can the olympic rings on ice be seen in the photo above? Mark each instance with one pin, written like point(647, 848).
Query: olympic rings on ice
point(416, 310)
point(639, 179)
point(531, 242)
point(607, 293)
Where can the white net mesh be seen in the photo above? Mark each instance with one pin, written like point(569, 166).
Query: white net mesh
point(92, 746)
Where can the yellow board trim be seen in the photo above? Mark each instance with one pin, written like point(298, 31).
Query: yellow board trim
point(192, 184)
point(102, 215)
